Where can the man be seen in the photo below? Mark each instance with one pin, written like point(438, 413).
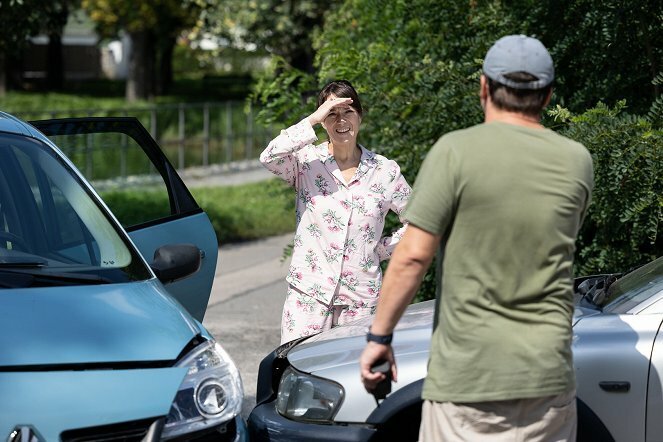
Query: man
point(503, 201)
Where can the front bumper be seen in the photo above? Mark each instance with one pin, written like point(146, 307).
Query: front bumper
point(266, 424)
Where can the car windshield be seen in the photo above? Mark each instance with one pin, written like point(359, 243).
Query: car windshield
point(635, 287)
point(52, 229)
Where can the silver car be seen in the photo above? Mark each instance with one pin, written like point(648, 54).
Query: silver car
point(310, 388)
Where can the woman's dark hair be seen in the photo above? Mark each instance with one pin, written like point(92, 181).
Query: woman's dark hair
point(525, 101)
point(342, 89)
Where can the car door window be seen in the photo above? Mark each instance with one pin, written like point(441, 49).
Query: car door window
point(97, 146)
point(116, 166)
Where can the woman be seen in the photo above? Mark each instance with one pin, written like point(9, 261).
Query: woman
point(344, 192)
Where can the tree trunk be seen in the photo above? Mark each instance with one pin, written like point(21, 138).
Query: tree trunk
point(141, 75)
point(3, 74)
point(303, 60)
point(165, 72)
point(54, 62)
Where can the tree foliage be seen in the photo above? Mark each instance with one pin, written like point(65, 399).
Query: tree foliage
point(21, 19)
point(604, 51)
point(153, 27)
point(623, 226)
point(282, 28)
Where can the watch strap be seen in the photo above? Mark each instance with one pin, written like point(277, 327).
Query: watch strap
point(380, 339)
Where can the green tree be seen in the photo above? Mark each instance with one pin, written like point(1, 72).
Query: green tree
point(57, 14)
point(604, 51)
point(21, 19)
point(282, 28)
point(153, 27)
point(623, 226)
point(17, 22)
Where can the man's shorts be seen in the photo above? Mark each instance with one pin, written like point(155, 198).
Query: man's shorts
point(544, 419)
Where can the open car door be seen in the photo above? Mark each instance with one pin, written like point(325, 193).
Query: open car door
point(119, 157)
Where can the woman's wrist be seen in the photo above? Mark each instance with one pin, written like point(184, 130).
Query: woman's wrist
point(312, 120)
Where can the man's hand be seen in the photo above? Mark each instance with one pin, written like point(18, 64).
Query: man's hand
point(373, 353)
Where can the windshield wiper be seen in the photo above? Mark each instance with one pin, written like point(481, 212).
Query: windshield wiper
point(15, 263)
point(22, 276)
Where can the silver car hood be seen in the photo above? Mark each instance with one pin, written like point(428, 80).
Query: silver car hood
point(342, 345)
point(583, 312)
point(334, 355)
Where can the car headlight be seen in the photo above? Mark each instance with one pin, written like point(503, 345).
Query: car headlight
point(210, 394)
point(305, 397)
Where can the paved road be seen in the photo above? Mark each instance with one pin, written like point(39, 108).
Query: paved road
point(240, 172)
point(244, 310)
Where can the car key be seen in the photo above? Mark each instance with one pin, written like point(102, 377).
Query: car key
point(384, 386)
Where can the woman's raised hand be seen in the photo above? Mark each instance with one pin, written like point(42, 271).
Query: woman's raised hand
point(321, 113)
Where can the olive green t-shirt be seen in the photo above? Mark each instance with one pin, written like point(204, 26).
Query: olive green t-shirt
point(508, 201)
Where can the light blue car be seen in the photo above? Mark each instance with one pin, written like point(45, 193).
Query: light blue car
point(100, 329)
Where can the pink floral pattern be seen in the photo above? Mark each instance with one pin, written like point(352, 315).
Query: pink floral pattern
point(339, 242)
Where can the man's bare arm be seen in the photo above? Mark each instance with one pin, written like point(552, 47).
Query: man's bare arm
point(407, 266)
point(406, 269)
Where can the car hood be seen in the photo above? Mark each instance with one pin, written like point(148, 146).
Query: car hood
point(342, 345)
point(100, 324)
point(583, 312)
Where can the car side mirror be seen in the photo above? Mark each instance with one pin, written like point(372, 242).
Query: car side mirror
point(593, 289)
point(175, 261)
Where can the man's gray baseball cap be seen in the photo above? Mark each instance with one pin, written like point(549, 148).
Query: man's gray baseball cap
point(519, 53)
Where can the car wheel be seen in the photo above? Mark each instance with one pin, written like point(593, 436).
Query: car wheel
point(590, 427)
point(403, 426)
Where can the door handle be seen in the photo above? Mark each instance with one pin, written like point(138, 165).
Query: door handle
point(615, 386)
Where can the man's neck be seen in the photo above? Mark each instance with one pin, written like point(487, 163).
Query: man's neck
point(493, 114)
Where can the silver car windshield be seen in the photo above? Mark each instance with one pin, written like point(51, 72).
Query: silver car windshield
point(635, 288)
point(52, 229)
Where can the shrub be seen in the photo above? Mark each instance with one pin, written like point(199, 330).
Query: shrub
point(622, 229)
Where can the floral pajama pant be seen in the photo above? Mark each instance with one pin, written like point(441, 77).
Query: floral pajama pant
point(303, 315)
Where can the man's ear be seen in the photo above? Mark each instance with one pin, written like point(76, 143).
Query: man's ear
point(484, 95)
point(483, 88)
point(547, 102)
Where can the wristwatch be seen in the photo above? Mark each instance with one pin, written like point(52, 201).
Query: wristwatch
point(380, 339)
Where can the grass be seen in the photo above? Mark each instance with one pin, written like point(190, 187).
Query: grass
point(238, 213)
point(109, 94)
point(249, 211)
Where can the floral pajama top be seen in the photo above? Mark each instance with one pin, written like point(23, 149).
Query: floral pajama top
point(338, 243)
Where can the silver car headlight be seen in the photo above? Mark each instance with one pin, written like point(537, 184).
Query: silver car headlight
point(302, 396)
point(210, 394)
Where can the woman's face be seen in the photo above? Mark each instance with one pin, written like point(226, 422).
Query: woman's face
point(342, 123)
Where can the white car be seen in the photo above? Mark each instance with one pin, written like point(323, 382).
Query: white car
point(310, 388)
